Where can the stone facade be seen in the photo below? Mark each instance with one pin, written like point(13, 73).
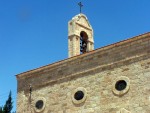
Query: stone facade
point(97, 74)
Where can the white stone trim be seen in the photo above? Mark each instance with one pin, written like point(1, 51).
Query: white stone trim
point(83, 99)
point(44, 104)
point(120, 93)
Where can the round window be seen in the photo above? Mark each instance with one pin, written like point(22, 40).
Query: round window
point(39, 104)
point(120, 85)
point(79, 95)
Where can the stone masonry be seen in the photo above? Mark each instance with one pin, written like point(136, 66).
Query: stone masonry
point(78, 24)
point(95, 73)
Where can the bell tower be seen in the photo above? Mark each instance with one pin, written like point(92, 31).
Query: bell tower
point(80, 36)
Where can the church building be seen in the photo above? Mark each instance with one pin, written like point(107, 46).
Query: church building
point(111, 79)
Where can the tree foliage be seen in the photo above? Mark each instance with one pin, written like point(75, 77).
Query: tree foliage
point(1, 109)
point(8, 105)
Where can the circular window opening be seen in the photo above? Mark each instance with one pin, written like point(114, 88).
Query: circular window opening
point(120, 85)
point(79, 95)
point(39, 104)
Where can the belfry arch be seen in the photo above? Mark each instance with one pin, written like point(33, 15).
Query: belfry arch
point(80, 36)
point(83, 42)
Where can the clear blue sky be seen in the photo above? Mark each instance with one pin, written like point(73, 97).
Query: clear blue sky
point(33, 33)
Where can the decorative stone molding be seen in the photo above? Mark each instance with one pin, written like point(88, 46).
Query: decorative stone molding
point(79, 100)
point(121, 85)
point(42, 101)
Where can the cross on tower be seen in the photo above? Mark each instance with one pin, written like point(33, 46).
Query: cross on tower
point(80, 5)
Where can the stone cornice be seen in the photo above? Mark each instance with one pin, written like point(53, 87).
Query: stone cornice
point(93, 70)
point(84, 26)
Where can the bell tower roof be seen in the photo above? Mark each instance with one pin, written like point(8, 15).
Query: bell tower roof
point(81, 18)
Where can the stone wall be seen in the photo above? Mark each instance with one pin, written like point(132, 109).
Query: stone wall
point(96, 74)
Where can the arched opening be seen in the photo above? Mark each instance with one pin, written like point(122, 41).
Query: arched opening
point(83, 42)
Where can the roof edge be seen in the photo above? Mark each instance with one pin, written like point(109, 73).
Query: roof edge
point(129, 40)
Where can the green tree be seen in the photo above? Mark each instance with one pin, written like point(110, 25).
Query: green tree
point(8, 105)
point(1, 109)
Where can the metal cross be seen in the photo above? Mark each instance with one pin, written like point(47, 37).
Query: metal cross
point(80, 5)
